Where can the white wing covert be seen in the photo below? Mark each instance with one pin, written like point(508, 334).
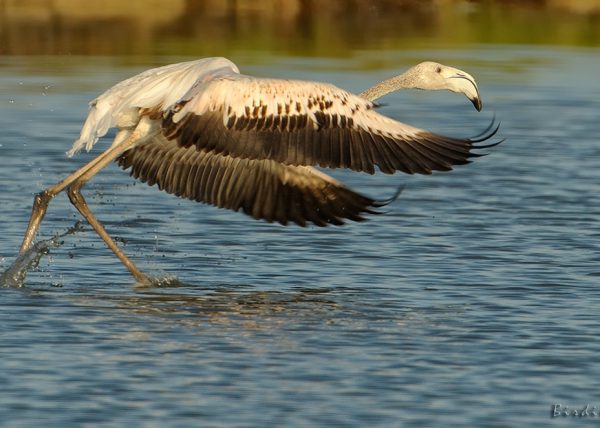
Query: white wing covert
point(156, 89)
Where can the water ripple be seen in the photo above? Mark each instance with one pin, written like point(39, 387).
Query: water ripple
point(472, 301)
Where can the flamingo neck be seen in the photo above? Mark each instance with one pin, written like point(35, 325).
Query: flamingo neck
point(403, 81)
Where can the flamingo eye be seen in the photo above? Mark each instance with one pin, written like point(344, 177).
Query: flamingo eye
point(438, 69)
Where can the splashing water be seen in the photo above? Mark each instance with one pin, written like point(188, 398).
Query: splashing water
point(15, 275)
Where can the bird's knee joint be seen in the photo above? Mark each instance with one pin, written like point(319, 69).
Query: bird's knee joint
point(42, 199)
point(74, 194)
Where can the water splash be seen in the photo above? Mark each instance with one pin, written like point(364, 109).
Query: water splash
point(15, 275)
point(163, 281)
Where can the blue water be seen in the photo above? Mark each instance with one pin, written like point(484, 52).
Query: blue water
point(473, 301)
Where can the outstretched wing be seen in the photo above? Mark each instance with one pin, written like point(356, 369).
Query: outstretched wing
point(263, 189)
point(306, 123)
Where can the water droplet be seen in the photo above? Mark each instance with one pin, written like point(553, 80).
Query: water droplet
point(11, 101)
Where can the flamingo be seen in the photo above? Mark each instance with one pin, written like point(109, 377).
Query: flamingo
point(203, 131)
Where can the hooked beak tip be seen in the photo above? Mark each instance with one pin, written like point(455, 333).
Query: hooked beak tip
point(472, 96)
point(477, 103)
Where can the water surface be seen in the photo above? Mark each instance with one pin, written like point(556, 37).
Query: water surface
point(472, 301)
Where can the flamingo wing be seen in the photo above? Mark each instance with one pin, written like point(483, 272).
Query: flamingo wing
point(306, 123)
point(262, 188)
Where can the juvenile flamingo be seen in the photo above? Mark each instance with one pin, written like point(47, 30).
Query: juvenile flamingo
point(203, 131)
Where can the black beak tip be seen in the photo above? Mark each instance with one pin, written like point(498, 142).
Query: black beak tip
point(477, 103)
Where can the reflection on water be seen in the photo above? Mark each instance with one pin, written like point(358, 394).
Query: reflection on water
point(225, 303)
point(332, 28)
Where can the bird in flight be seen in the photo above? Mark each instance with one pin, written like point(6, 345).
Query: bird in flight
point(202, 131)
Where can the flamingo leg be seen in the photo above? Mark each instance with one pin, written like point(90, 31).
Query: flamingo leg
point(124, 140)
point(79, 202)
point(42, 199)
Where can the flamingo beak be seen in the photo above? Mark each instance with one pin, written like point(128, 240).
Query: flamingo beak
point(465, 83)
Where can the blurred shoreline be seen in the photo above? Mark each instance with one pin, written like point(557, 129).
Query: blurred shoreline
point(305, 27)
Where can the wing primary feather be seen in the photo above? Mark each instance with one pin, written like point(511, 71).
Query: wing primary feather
point(405, 157)
point(393, 198)
point(487, 130)
point(432, 159)
point(202, 177)
point(295, 208)
point(192, 180)
point(487, 146)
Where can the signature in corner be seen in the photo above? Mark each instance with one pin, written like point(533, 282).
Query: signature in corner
point(586, 411)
